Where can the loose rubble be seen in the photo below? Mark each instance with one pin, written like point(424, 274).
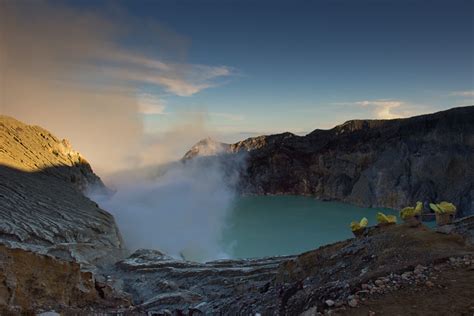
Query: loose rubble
point(419, 276)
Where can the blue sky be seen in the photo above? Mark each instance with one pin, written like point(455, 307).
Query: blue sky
point(255, 67)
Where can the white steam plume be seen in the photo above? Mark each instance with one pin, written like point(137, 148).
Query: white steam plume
point(182, 211)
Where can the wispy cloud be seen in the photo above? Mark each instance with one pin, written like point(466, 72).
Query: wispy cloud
point(465, 93)
point(177, 78)
point(388, 108)
point(384, 109)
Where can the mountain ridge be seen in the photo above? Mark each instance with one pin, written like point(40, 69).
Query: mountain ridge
point(373, 163)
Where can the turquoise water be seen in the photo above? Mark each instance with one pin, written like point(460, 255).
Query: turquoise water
point(282, 225)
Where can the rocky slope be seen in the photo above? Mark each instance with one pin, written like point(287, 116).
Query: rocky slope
point(340, 276)
point(385, 163)
point(32, 149)
point(42, 207)
point(347, 277)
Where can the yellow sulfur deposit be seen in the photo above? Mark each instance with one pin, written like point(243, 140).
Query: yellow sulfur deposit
point(386, 219)
point(359, 225)
point(410, 211)
point(443, 208)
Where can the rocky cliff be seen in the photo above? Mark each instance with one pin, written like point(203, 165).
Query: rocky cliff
point(384, 163)
point(42, 205)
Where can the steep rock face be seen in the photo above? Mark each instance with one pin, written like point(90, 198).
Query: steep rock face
point(42, 207)
point(385, 163)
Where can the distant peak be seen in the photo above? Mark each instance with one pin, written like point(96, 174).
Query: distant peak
point(207, 147)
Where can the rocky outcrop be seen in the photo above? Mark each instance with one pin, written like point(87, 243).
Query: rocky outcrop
point(42, 207)
point(30, 283)
point(463, 226)
point(158, 282)
point(374, 163)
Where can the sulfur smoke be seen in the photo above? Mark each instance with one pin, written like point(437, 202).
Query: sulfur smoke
point(180, 208)
point(64, 69)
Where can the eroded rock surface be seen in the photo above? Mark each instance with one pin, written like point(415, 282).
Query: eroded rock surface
point(30, 282)
point(158, 282)
point(32, 149)
point(42, 207)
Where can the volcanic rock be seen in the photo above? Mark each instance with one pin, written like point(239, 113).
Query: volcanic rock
point(285, 285)
point(30, 282)
point(42, 205)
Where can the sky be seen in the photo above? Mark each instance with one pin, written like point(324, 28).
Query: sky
point(300, 65)
point(239, 68)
